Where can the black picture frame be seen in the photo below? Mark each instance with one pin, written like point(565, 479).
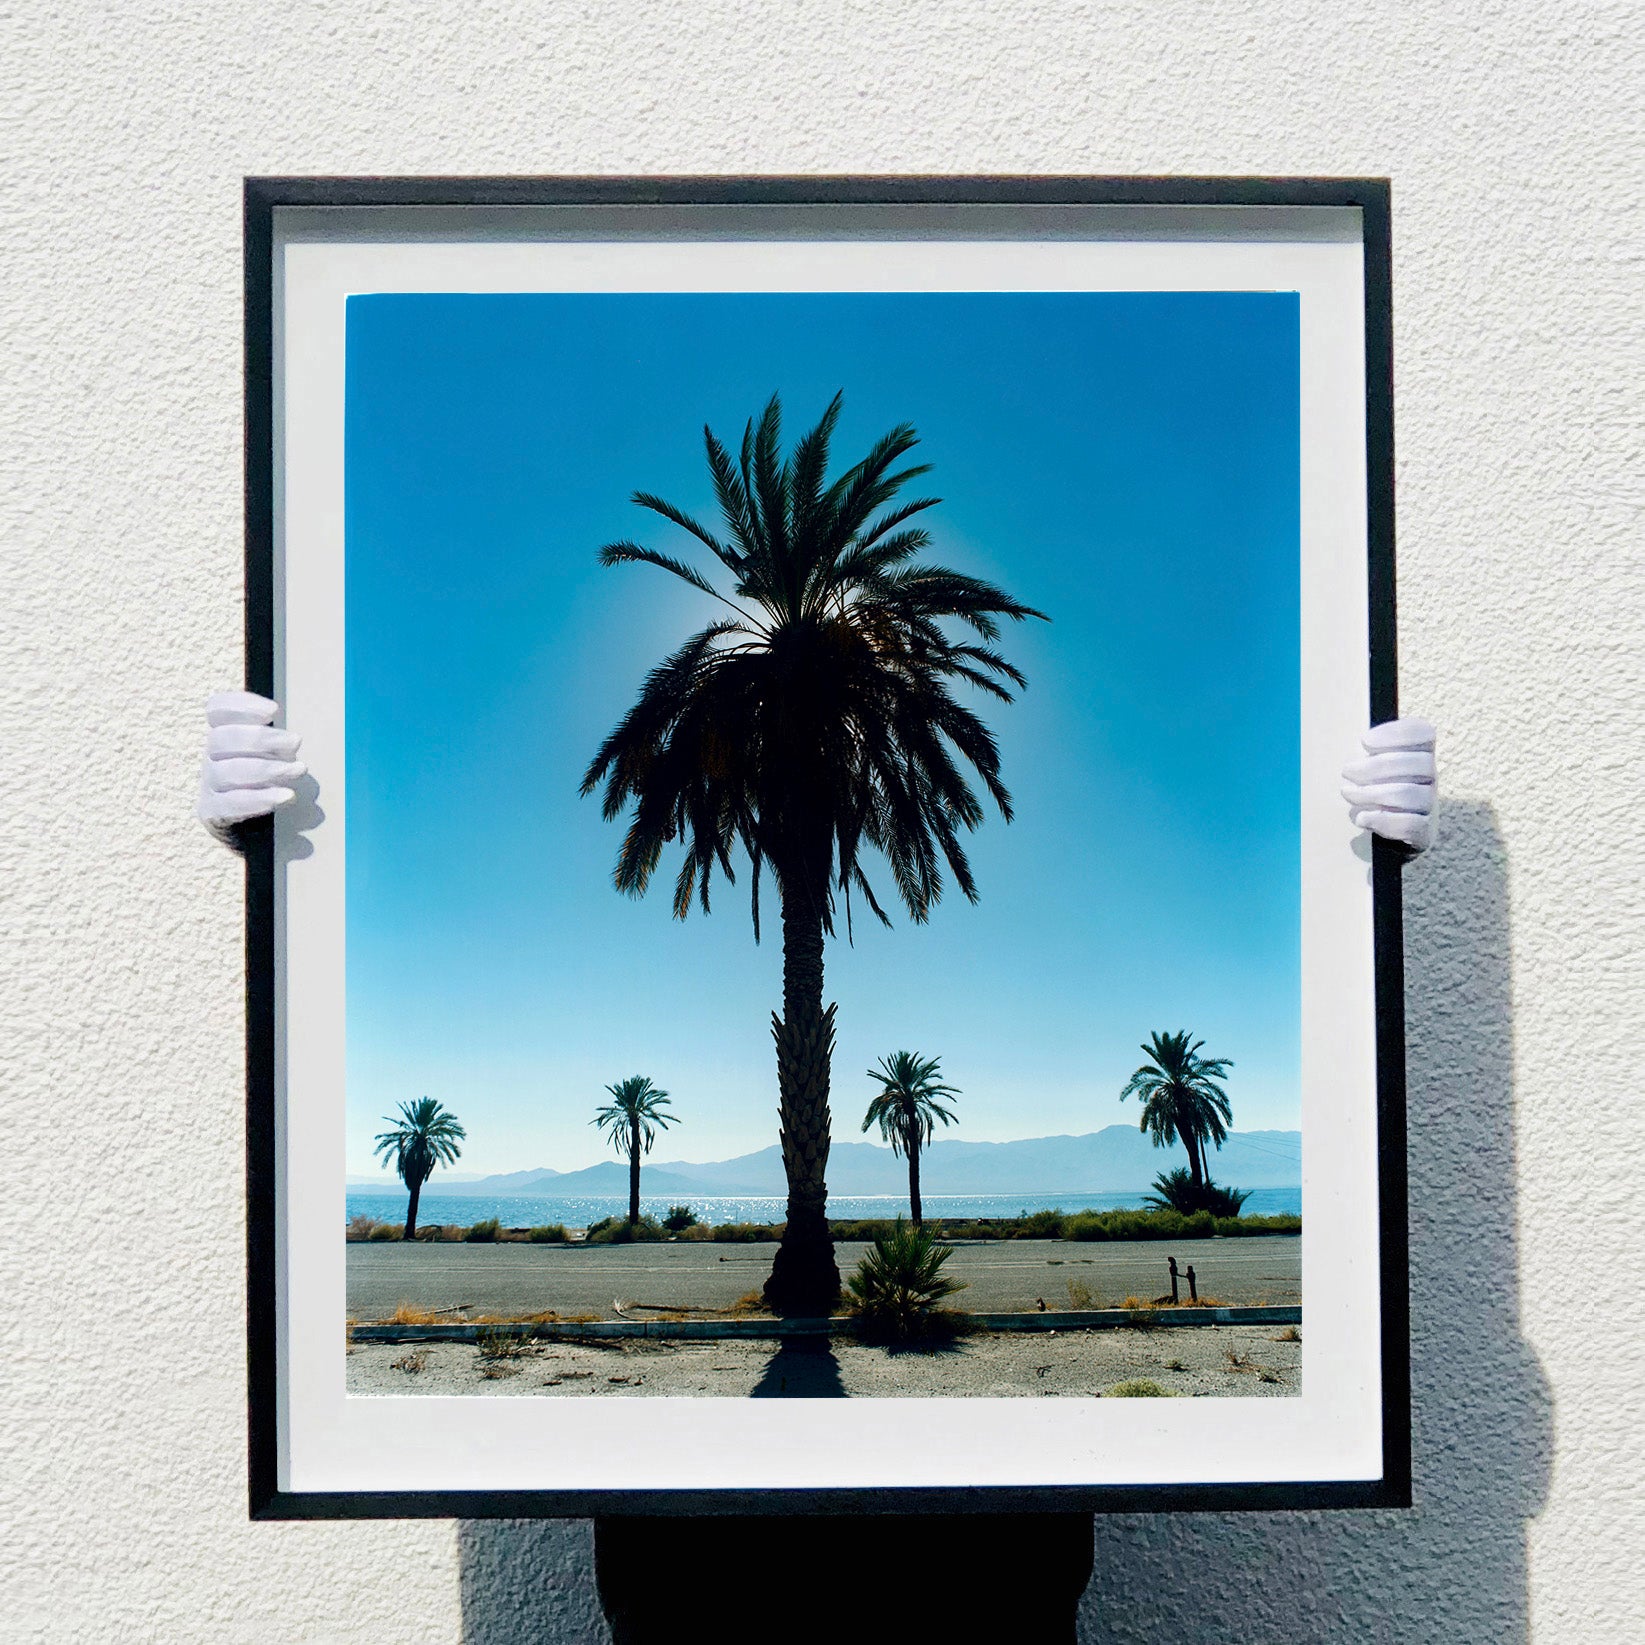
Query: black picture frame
point(263, 196)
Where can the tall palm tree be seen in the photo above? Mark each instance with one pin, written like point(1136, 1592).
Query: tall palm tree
point(812, 722)
point(425, 1135)
point(632, 1119)
point(1182, 1096)
point(906, 1110)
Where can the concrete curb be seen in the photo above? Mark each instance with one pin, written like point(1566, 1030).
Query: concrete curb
point(721, 1330)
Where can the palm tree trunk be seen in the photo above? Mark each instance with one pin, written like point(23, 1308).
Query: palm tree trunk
point(1190, 1141)
point(804, 1278)
point(633, 1173)
point(914, 1181)
point(410, 1230)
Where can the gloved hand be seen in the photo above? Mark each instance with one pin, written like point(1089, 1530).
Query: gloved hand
point(248, 767)
point(1392, 790)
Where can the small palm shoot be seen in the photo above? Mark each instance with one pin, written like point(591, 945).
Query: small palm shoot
point(907, 1109)
point(632, 1120)
point(1177, 1191)
point(898, 1288)
point(424, 1136)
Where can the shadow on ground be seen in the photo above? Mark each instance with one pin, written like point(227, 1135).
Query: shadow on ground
point(802, 1368)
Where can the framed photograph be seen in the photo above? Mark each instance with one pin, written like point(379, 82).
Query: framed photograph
point(821, 964)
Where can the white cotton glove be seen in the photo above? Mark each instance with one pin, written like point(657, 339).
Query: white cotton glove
point(1392, 790)
point(248, 767)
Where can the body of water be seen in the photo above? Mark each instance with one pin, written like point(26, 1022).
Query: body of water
point(532, 1210)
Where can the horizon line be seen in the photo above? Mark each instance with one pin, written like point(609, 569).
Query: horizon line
point(987, 1142)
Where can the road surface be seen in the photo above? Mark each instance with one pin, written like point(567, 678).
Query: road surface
point(1000, 1275)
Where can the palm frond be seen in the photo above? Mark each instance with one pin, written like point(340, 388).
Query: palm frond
point(820, 725)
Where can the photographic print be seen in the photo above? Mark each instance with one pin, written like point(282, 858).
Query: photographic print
point(813, 920)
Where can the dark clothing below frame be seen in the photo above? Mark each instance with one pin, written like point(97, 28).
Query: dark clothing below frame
point(863, 1579)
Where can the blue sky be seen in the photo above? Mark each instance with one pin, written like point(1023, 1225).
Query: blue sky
point(1126, 463)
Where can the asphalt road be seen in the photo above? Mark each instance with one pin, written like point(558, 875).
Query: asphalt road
point(999, 1275)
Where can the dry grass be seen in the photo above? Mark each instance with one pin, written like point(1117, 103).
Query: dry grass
point(496, 1370)
point(498, 1342)
point(1081, 1296)
point(1243, 1363)
point(1289, 1334)
point(411, 1363)
point(546, 1316)
point(1165, 1304)
point(1144, 1315)
point(750, 1302)
point(405, 1314)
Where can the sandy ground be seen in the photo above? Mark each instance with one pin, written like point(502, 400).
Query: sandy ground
point(1231, 1361)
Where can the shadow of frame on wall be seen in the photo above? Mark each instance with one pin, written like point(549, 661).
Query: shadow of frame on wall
point(1453, 1566)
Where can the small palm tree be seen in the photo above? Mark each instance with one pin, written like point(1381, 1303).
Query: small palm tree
point(814, 724)
point(1177, 1191)
point(424, 1136)
point(906, 1110)
point(1182, 1097)
point(632, 1119)
point(899, 1286)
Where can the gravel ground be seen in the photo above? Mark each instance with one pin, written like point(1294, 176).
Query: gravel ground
point(1228, 1360)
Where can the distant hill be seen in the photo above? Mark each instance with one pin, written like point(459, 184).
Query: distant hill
point(1117, 1159)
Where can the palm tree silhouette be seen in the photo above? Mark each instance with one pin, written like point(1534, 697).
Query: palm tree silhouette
point(425, 1135)
point(1182, 1097)
point(812, 723)
point(632, 1119)
point(906, 1110)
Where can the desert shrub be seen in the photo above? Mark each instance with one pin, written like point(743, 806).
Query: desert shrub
point(1139, 1225)
point(1140, 1388)
point(679, 1218)
point(747, 1233)
point(618, 1231)
point(386, 1230)
point(484, 1232)
point(967, 1228)
point(360, 1226)
point(1240, 1227)
point(430, 1232)
point(698, 1231)
point(412, 1362)
point(497, 1342)
point(1039, 1225)
point(898, 1288)
point(548, 1233)
point(1080, 1295)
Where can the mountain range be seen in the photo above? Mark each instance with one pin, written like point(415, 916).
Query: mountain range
point(1116, 1159)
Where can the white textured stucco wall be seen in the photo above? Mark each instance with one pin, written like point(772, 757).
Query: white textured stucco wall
point(1517, 232)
